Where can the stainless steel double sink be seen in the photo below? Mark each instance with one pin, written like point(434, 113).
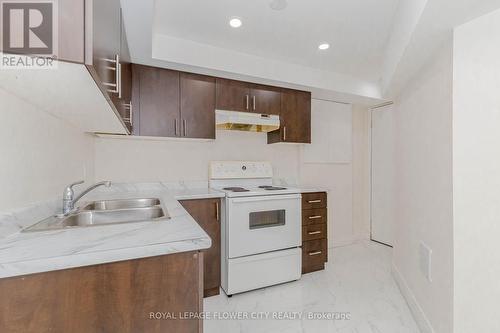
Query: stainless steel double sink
point(106, 212)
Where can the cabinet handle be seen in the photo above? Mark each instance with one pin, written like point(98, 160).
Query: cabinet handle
point(130, 118)
point(253, 103)
point(314, 201)
point(247, 101)
point(131, 115)
point(119, 77)
point(284, 133)
point(315, 217)
point(185, 127)
point(217, 211)
point(176, 126)
point(116, 87)
point(314, 232)
point(315, 253)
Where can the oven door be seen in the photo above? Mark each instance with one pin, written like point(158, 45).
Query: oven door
point(263, 224)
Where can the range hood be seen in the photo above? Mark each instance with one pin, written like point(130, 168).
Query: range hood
point(246, 121)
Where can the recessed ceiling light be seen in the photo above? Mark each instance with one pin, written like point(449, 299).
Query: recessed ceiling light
point(324, 46)
point(235, 22)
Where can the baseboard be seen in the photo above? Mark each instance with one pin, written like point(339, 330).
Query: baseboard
point(419, 315)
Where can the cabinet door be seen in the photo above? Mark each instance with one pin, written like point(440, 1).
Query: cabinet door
point(71, 30)
point(106, 41)
point(158, 105)
point(265, 100)
point(233, 95)
point(197, 106)
point(123, 102)
point(110, 298)
point(207, 213)
point(295, 118)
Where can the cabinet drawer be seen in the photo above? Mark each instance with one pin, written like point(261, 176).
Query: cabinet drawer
point(313, 200)
point(314, 255)
point(314, 216)
point(313, 231)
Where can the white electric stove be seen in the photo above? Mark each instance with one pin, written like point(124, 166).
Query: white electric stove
point(261, 227)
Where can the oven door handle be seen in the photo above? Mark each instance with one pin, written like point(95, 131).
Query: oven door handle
point(266, 198)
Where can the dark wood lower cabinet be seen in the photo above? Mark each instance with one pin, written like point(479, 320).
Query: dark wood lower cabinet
point(314, 231)
point(314, 255)
point(207, 213)
point(126, 297)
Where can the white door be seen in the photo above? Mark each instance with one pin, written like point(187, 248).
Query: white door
point(382, 202)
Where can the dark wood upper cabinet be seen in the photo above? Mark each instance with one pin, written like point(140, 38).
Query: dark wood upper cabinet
point(207, 213)
point(107, 56)
point(106, 39)
point(295, 118)
point(246, 97)
point(233, 95)
point(123, 99)
point(265, 99)
point(71, 30)
point(197, 106)
point(168, 103)
point(157, 103)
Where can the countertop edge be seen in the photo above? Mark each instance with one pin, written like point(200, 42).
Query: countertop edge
point(86, 259)
point(98, 257)
point(215, 195)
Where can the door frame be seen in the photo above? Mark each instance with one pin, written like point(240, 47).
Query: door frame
point(372, 109)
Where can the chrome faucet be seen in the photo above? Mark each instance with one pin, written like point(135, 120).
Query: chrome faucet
point(68, 196)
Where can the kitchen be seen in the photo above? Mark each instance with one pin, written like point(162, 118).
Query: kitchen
point(295, 181)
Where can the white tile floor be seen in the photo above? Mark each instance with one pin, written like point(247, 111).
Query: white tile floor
point(357, 281)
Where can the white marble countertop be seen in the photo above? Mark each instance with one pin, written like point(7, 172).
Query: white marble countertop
point(34, 252)
point(302, 188)
point(311, 189)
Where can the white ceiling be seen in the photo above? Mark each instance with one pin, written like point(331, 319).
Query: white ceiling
point(357, 30)
point(432, 29)
point(376, 45)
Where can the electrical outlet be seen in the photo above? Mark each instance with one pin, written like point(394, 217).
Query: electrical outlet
point(425, 258)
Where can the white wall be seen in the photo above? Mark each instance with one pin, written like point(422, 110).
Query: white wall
point(40, 154)
point(423, 190)
point(132, 160)
point(347, 183)
point(337, 179)
point(476, 174)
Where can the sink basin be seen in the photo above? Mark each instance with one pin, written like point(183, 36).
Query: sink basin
point(89, 218)
point(106, 212)
point(121, 204)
